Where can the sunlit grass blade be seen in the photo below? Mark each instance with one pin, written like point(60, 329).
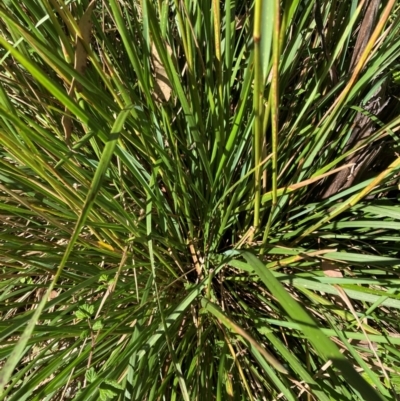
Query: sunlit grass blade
point(230, 121)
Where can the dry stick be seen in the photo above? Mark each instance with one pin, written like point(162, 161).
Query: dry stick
point(365, 31)
point(196, 261)
point(361, 62)
point(362, 126)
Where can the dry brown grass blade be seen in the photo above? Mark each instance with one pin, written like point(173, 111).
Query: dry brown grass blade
point(320, 177)
point(348, 303)
point(290, 188)
point(330, 269)
point(81, 42)
point(162, 85)
point(237, 363)
point(296, 258)
point(85, 27)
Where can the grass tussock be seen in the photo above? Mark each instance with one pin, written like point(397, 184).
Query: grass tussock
point(199, 200)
